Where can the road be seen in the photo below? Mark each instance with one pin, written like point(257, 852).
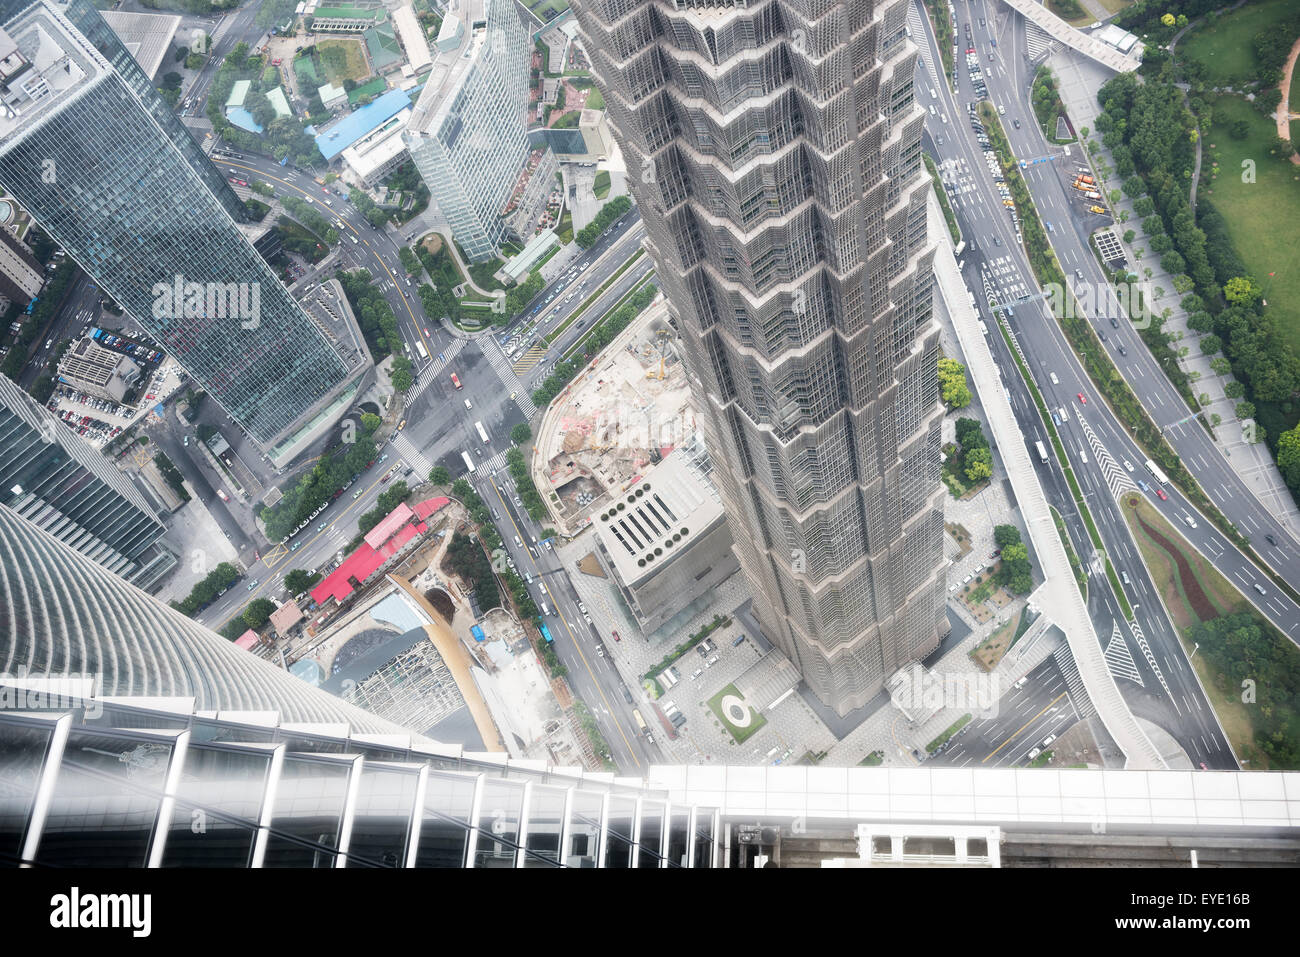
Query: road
point(1168, 693)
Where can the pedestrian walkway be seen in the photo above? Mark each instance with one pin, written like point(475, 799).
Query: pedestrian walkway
point(1070, 672)
point(496, 463)
point(431, 371)
point(501, 365)
point(411, 455)
point(1120, 658)
point(915, 23)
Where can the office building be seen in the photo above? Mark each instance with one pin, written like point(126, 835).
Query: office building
point(21, 276)
point(63, 486)
point(82, 147)
point(67, 615)
point(468, 135)
point(94, 370)
point(774, 153)
point(666, 540)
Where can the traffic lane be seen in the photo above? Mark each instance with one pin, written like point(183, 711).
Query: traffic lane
point(620, 741)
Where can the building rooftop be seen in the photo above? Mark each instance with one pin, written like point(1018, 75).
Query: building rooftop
point(456, 54)
point(353, 127)
point(238, 93)
point(279, 102)
point(658, 513)
point(147, 36)
point(43, 64)
point(411, 34)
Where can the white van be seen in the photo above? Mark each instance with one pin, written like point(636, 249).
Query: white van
point(467, 404)
point(546, 609)
point(933, 112)
point(1055, 380)
point(518, 542)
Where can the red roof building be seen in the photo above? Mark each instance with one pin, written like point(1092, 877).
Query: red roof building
point(398, 528)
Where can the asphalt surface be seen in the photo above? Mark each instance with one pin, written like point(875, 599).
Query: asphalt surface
point(1168, 693)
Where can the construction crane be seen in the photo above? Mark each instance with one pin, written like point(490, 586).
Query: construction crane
point(661, 341)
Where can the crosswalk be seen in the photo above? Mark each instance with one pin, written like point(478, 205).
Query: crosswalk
point(431, 371)
point(1070, 672)
point(915, 23)
point(1120, 659)
point(411, 455)
point(496, 463)
point(1117, 479)
point(501, 365)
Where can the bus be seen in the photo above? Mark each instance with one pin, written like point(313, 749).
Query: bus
point(482, 432)
point(640, 721)
point(1042, 452)
point(469, 462)
point(424, 353)
point(1158, 475)
point(546, 632)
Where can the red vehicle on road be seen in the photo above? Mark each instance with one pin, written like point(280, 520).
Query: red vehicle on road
point(1161, 493)
point(1082, 399)
point(455, 381)
point(616, 637)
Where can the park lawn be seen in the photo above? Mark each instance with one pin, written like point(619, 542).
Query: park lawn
point(1115, 6)
point(601, 186)
point(595, 101)
point(352, 64)
point(740, 734)
point(1228, 707)
point(1224, 45)
point(1253, 210)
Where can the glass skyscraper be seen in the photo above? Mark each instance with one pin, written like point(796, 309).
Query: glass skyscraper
point(57, 482)
point(773, 148)
point(82, 148)
point(468, 134)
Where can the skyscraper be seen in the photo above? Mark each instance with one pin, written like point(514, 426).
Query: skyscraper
point(774, 152)
point(57, 482)
point(63, 615)
point(82, 148)
point(468, 134)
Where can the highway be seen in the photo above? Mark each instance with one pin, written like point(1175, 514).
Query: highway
point(1169, 693)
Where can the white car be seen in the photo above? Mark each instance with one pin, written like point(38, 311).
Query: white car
point(1035, 753)
point(1128, 465)
point(1021, 682)
point(1048, 740)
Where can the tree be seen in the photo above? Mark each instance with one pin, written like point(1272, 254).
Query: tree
point(1245, 410)
point(970, 435)
point(1005, 535)
point(1016, 574)
point(952, 384)
point(1168, 19)
point(1288, 456)
point(979, 465)
point(521, 433)
point(1221, 365)
point(298, 581)
point(1210, 345)
point(1239, 129)
point(439, 475)
point(370, 422)
point(1129, 235)
point(1234, 389)
point(258, 612)
point(462, 489)
point(1240, 290)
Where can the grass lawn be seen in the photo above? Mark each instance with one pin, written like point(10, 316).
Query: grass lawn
point(1254, 210)
point(739, 733)
point(1224, 45)
point(872, 760)
point(594, 100)
point(1082, 19)
point(601, 186)
point(1115, 6)
point(348, 64)
point(1173, 590)
point(952, 729)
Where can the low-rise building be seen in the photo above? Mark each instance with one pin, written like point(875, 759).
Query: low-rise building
point(666, 540)
point(90, 368)
point(333, 98)
point(373, 157)
point(346, 19)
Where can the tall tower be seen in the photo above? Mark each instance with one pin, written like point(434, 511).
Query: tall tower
point(83, 149)
point(59, 483)
point(773, 147)
point(63, 615)
point(468, 135)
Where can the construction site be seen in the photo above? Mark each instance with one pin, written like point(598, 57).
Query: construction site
point(622, 415)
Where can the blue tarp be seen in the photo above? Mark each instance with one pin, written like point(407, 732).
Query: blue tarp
point(477, 632)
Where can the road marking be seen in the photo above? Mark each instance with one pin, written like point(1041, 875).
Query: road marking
point(1023, 726)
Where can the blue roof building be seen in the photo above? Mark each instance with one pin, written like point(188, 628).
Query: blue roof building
point(357, 124)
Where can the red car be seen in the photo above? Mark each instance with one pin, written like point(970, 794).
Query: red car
point(1082, 399)
point(1163, 496)
point(1204, 766)
point(616, 637)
